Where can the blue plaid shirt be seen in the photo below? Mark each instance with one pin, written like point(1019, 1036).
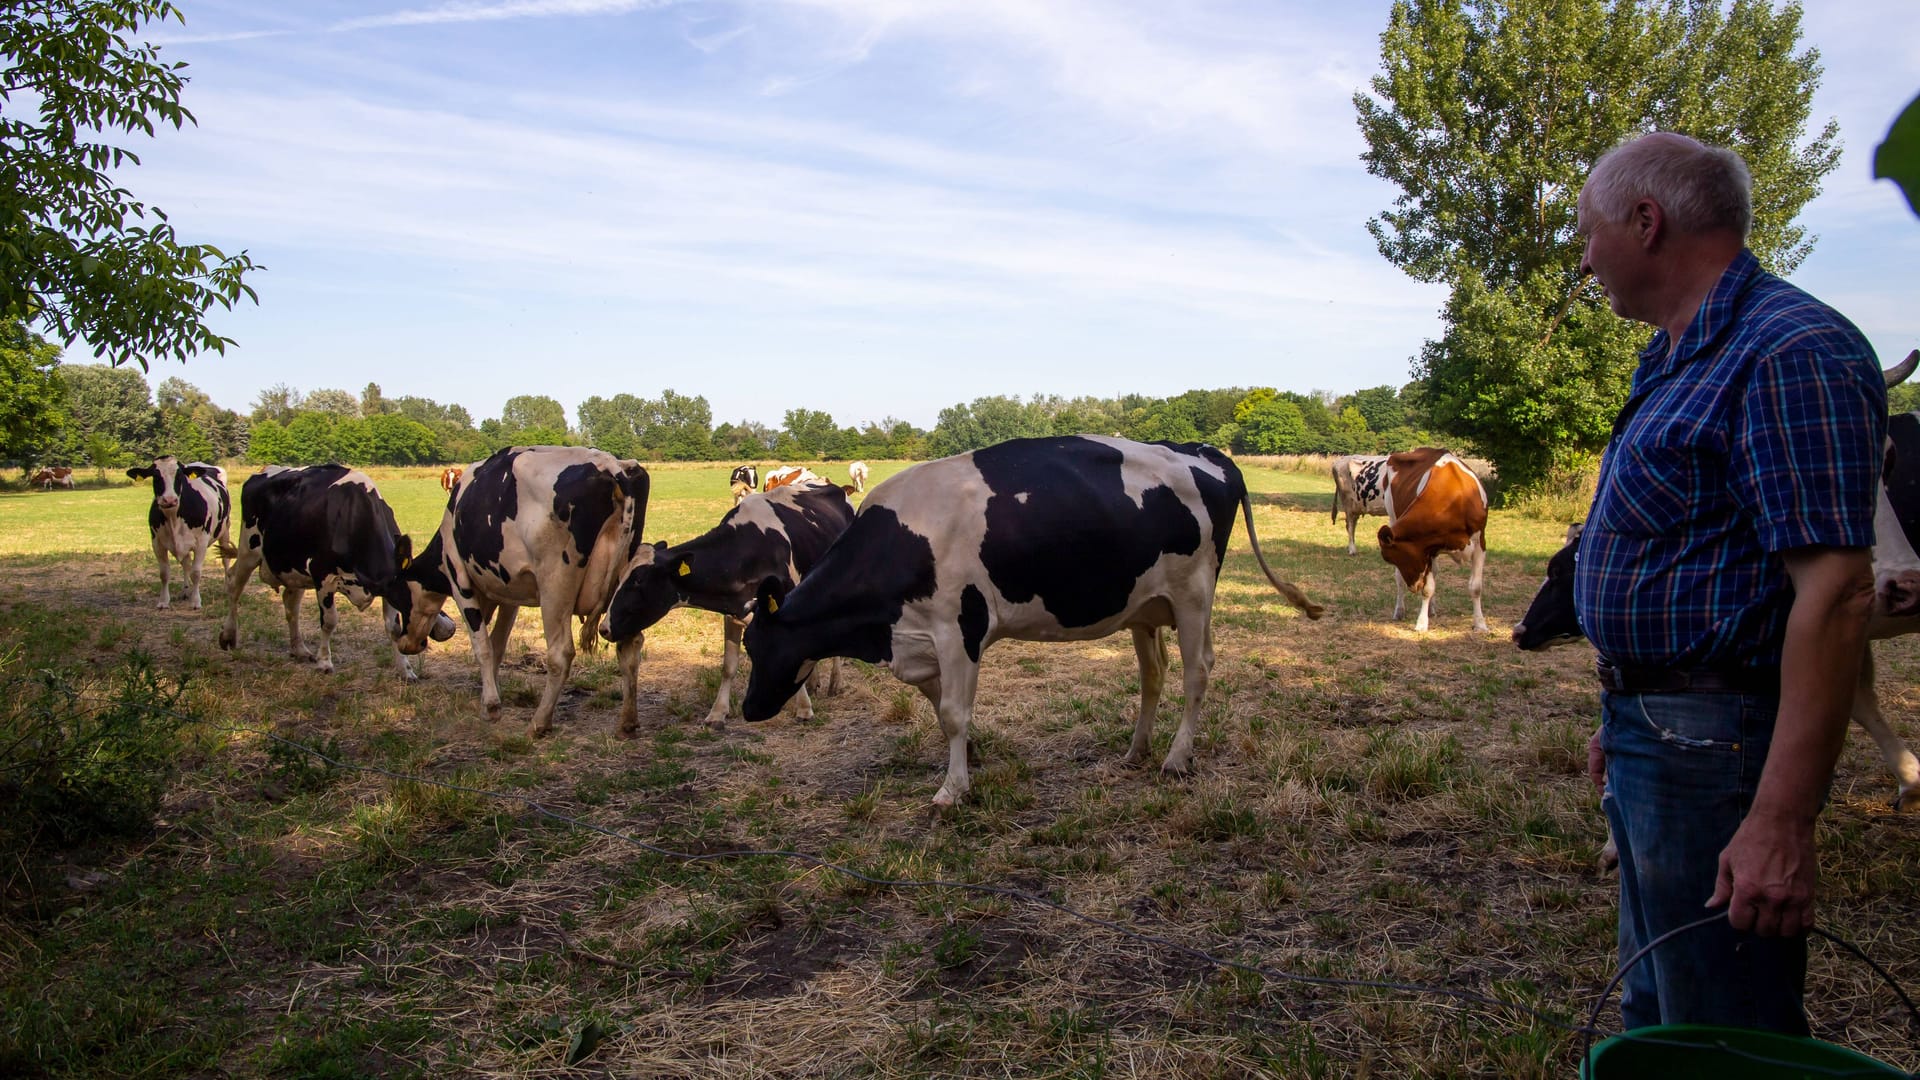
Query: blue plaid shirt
point(1759, 434)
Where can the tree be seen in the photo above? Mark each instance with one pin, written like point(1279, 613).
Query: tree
point(1489, 114)
point(78, 253)
point(1269, 423)
point(811, 433)
point(277, 403)
point(987, 421)
point(109, 401)
point(339, 403)
point(529, 412)
point(33, 399)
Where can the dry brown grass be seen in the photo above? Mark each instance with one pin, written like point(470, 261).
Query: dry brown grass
point(1366, 803)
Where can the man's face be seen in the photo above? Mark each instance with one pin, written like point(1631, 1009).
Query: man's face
point(1609, 256)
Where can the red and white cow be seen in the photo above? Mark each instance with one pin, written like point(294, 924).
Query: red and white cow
point(190, 510)
point(54, 476)
point(450, 476)
point(1435, 504)
point(792, 474)
point(553, 527)
point(1359, 489)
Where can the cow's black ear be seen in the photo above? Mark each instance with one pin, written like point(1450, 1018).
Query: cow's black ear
point(766, 601)
point(140, 471)
point(659, 545)
point(403, 549)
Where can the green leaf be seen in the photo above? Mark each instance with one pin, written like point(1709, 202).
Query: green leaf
point(586, 1040)
point(1898, 159)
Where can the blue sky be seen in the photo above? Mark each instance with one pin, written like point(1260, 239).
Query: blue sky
point(872, 207)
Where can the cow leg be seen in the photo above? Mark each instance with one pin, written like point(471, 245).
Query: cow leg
point(1150, 648)
point(162, 555)
point(1426, 601)
point(329, 618)
point(407, 673)
point(731, 630)
point(486, 653)
point(628, 654)
point(237, 576)
point(1353, 520)
point(803, 699)
point(1196, 663)
point(290, 600)
point(1477, 555)
point(1900, 761)
point(833, 676)
point(198, 567)
point(958, 679)
point(556, 619)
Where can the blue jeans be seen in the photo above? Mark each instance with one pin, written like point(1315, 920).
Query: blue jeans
point(1681, 773)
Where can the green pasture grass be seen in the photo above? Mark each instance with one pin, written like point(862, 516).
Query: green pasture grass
point(1366, 802)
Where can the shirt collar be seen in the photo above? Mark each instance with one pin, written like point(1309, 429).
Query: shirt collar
point(1716, 312)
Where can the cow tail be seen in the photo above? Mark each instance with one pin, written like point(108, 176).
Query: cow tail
point(1287, 588)
point(589, 636)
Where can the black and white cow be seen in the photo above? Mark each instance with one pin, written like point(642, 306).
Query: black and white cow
point(190, 510)
point(1359, 489)
point(779, 536)
point(1057, 539)
point(551, 527)
point(745, 474)
point(322, 527)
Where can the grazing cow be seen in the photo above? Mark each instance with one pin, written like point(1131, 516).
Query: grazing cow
point(857, 472)
point(552, 526)
point(744, 474)
point(1055, 539)
point(1359, 489)
point(1434, 504)
point(792, 474)
point(325, 528)
point(779, 535)
point(190, 510)
point(52, 477)
point(450, 477)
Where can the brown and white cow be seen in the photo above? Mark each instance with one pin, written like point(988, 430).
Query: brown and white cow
point(1435, 504)
point(792, 474)
point(53, 476)
point(552, 527)
point(325, 528)
point(450, 476)
point(1058, 539)
point(857, 472)
point(1359, 489)
point(190, 510)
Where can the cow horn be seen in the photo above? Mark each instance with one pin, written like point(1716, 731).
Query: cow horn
point(1898, 373)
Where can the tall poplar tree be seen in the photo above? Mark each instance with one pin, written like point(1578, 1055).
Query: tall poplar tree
point(1488, 114)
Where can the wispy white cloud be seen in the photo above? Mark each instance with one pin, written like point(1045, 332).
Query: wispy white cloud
point(468, 12)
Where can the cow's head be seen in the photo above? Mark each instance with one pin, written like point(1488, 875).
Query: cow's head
point(167, 476)
point(645, 595)
point(1550, 618)
point(780, 665)
point(416, 598)
point(1413, 561)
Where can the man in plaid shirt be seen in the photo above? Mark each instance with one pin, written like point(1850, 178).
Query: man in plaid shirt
point(1725, 579)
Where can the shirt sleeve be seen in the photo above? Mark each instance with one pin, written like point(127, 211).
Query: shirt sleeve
point(1808, 446)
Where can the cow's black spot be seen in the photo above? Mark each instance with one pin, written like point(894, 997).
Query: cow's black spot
point(488, 500)
point(474, 621)
point(1221, 496)
point(1061, 527)
point(973, 620)
point(1903, 476)
point(584, 497)
point(813, 516)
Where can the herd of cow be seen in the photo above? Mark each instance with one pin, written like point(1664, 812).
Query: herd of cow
point(1055, 539)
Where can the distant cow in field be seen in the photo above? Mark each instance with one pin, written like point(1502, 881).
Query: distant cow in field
point(325, 528)
point(778, 536)
point(857, 472)
point(450, 477)
point(792, 474)
point(190, 510)
point(1359, 489)
point(1435, 504)
point(552, 527)
point(1056, 539)
point(54, 476)
point(744, 474)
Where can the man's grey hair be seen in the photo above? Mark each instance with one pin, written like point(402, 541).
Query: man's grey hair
point(1701, 188)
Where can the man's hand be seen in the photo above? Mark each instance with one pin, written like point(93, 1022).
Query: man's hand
point(1767, 876)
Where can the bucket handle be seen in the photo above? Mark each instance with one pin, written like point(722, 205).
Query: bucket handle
point(1593, 1018)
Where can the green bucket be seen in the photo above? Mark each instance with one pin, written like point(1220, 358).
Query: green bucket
point(1700, 1052)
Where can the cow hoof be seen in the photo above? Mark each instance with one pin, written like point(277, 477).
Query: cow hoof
point(493, 711)
point(629, 729)
point(193, 605)
point(226, 640)
point(161, 606)
point(325, 668)
point(1181, 769)
point(1907, 798)
point(535, 731)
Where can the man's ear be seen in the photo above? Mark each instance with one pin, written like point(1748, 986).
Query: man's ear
point(1648, 222)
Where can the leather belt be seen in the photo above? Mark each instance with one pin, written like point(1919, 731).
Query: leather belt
point(1659, 680)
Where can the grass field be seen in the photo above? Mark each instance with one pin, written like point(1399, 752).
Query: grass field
point(1367, 803)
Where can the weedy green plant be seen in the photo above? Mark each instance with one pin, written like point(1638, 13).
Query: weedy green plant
point(85, 757)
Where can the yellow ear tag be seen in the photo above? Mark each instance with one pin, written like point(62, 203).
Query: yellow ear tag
point(772, 605)
point(685, 570)
point(406, 561)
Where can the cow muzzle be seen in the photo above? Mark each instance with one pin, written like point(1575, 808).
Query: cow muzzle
point(1899, 594)
point(443, 628)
